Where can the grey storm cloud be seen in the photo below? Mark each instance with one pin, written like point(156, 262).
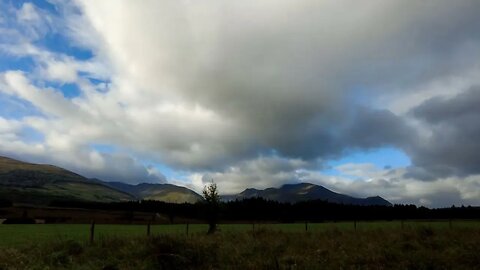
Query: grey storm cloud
point(278, 77)
point(453, 147)
point(357, 128)
point(376, 128)
point(288, 83)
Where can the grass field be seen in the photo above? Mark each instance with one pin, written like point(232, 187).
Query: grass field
point(376, 245)
point(19, 235)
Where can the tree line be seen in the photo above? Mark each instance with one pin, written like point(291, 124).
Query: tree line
point(262, 210)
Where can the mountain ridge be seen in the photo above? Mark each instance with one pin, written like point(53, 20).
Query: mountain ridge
point(160, 192)
point(293, 193)
point(39, 183)
point(30, 183)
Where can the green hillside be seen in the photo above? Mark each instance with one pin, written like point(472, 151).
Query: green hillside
point(29, 183)
point(159, 192)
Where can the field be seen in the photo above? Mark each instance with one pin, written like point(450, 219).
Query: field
point(372, 245)
point(18, 235)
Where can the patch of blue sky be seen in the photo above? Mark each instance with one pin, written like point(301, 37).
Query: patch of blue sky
point(94, 80)
point(168, 172)
point(101, 86)
point(386, 157)
point(58, 43)
point(43, 4)
point(54, 41)
point(31, 135)
point(104, 148)
point(14, 108)
point(69, 90)
point(8, 62)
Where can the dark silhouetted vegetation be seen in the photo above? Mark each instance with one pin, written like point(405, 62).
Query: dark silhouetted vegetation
point(212, 201)
point(5, 203)
point(21, 220)
point(258, 209)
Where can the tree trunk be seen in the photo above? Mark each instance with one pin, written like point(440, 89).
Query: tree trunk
point(212, 227)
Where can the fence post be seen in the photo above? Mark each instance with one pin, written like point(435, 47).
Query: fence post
point(306, 226)
point(253, 227)
point(92, 231)
point(355, 224)
point(186, 229)
point(148, 228)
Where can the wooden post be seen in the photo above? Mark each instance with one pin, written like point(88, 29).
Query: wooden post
point(186, 229)
point(253, 227)
point(355, 224)
point(148, 228)
point(306, 226)
point(92, 231)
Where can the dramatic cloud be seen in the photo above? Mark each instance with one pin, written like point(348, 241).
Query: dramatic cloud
point(453, 147)
point(249, 93)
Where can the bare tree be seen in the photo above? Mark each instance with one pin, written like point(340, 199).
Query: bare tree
point(212, 199)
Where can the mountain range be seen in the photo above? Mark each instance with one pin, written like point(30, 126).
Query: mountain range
point(29, 183)
point(305, 192)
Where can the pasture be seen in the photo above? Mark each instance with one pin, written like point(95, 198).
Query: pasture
point(376, 245)
point(25, 234)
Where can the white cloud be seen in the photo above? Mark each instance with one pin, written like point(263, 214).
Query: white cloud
point(61, 71)
point(9, 126)
point(360, 170)
point(28, 12)
point(33, 22)
point(47, 100)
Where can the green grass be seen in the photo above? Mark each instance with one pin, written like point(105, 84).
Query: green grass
point(17, 235)
point(20, 235)
point(413, 247)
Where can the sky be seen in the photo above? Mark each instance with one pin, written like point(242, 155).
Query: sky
point(363, 97)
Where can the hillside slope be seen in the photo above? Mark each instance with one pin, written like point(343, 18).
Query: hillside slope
point(159, 192)
point(23, 182)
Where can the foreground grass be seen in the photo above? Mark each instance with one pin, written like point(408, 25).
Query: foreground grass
point(377, 248)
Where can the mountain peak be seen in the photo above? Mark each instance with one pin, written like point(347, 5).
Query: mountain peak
point(297, 192)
